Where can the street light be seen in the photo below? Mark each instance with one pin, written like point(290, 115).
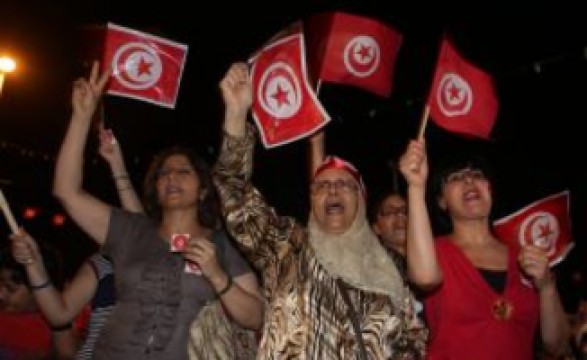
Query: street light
point(6, 65)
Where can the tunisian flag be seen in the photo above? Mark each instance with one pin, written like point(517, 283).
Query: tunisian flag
point(544, 223)
point(353, 50)
point(144, 67)
point(462, 99)
point(284, 106)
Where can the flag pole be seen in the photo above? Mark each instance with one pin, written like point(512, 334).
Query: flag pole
point(8, 214)
point(423, 122)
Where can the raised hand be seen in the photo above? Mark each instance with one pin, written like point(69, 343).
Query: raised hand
point(413, 164)
point(24, 249)
point(534, 264)
point(87, 92)
point(237, 92)
point(110, 150)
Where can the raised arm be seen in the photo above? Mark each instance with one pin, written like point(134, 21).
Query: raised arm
point(423, 268)
point(262, 234)
point(111, 151)
point(237, 92)
point(91, 214)
point(58, 307)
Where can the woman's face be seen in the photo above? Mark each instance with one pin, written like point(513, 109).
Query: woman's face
point(466, 194)
point(178, 185)
point(335, 196)
point(391, 221)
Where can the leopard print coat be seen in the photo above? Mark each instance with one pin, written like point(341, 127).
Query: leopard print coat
point(306, 316)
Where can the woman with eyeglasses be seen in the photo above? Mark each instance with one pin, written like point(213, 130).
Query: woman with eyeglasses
point(332, 290)
point(484, 299)
point(168, 264)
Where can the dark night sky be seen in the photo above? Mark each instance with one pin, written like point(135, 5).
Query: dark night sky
point(536, 54)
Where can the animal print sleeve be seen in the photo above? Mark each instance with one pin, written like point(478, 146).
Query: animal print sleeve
point(263, 236)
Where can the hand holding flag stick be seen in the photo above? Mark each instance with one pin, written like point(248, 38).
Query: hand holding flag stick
point(8, 214)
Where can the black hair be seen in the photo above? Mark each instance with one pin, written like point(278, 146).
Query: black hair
point(208, 206)
point(390, 183)
point(440, 169)
point(451, 165)
point(375, 205)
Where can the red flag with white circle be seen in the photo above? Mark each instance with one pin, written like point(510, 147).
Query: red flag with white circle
point(285, 108)
point(462, 99)
point(545, 223)
point(144, 66)
point(353, 50)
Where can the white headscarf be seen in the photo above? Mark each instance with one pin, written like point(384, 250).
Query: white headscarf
point(356, 256)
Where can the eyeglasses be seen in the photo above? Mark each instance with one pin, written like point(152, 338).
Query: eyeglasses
point(341, 185)
point(460, 176)
point(393, 210)
point(179, 172)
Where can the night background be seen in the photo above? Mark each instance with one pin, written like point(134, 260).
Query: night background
point(537, 56)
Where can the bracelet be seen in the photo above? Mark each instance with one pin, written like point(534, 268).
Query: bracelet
point(226, 288)
point(119, 176)
point(41, 286)
point(65, 326)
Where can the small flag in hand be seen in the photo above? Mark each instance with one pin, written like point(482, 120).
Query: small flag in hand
point(462, 99)
point(144, 67)
point(353, 50)
point(545, 223)
point(284, 107)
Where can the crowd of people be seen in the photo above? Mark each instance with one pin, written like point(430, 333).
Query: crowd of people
point(203, 267)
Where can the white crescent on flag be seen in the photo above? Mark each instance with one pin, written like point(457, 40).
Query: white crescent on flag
point(362, 56)
point(454, 95)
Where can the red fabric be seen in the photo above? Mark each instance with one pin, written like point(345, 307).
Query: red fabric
point(353, 50)
point(545, 222)
point(145, 67)
point(461, 317)
point(24, 334)
point(284, 106)
point(462, 98)
point(81, 322)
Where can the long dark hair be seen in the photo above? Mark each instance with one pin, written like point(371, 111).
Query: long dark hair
point(208, 206)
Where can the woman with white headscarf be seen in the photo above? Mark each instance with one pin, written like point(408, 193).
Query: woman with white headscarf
point(333, 292)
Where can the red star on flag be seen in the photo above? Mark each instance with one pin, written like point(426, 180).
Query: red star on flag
point(281, 96)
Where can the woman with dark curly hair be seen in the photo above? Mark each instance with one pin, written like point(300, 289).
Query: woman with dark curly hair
point(167, 265)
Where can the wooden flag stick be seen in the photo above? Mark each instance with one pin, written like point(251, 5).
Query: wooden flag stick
point(8, 214)
point(423, 122)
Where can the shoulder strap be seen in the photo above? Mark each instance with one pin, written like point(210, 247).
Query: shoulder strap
point(354, 319)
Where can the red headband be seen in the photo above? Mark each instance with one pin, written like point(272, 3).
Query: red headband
point(334, 162)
